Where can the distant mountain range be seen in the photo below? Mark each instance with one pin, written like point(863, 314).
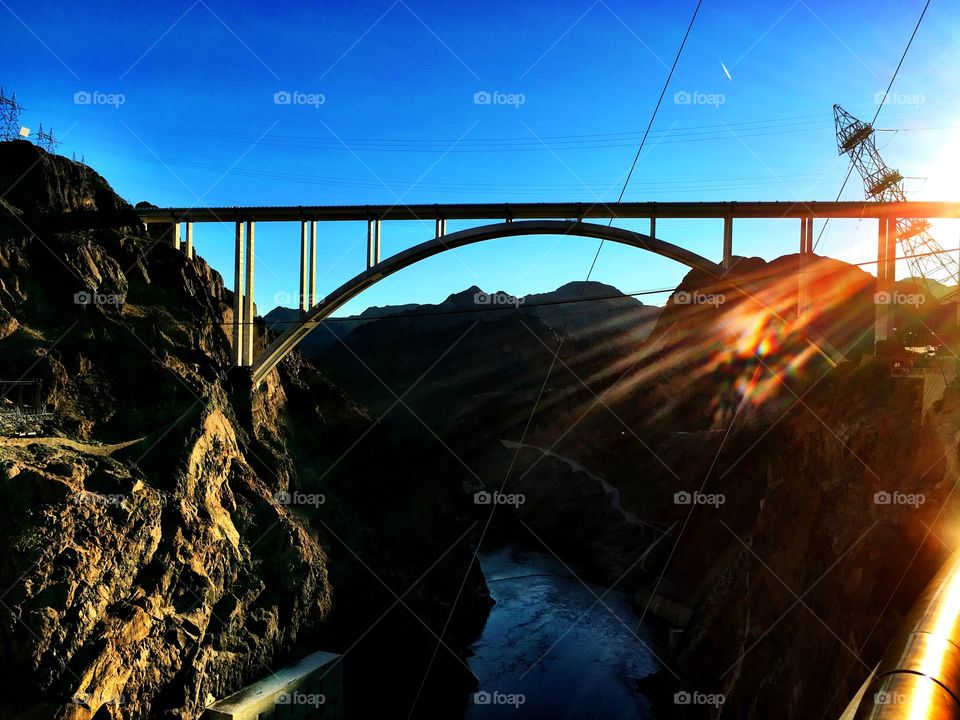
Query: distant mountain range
point(584, 308)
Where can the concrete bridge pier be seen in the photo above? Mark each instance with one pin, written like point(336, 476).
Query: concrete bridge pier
point(312, 274)
point(248, 298)
point(886, 276)
point(304, 261)
point(243, 311)
point(727, 242)
point(238, 268)
point(308, 265)
point(373, 243)
point(171, 233)
point(803, 275)
point(442, 227)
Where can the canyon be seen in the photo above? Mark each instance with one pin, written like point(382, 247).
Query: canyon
point(149, 566)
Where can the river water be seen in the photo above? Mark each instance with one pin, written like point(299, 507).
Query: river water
point(550, 650)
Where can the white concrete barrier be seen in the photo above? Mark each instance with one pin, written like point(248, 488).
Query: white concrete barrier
point(311, 688)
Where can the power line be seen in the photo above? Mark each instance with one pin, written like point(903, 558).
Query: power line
point(879, 108)
point(623, 138)
point(678, 186)
point(414, 315)
point(553, 362)
point(909, 257)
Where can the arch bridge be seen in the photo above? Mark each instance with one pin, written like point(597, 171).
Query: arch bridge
point(508, 220)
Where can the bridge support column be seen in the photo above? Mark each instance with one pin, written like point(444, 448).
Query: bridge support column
point(653, 227)
point(892, 251)
point(442, 227)
point(304, 259)
point(727, 242)
point(238, 268)
point(248, 299)
point(312, 279)
point(175, 235)
point(373, 243)
point(886, 275)
point(803, 275)
point(188, 247)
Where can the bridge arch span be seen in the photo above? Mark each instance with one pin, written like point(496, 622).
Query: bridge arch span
point(291, 337)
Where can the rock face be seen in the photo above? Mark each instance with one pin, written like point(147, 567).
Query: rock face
point(835, 523)
point(148, 563)
point(39, 183)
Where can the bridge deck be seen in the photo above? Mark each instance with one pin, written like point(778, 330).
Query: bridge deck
point(530, 211)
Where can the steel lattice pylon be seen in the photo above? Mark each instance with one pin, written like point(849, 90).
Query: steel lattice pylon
point(925, 257)
point(9, 117)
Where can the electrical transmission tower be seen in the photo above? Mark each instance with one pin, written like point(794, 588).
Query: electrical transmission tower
point(46, 140)
point(9, 117)
point(926, 259)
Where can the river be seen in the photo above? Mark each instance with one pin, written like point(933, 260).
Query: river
point(550, 650)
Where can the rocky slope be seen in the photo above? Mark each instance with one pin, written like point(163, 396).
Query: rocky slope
point(148, 563)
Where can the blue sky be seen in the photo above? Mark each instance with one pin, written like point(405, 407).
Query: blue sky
point(398, 122)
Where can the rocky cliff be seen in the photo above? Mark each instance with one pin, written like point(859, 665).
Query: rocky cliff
point(150, 559)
